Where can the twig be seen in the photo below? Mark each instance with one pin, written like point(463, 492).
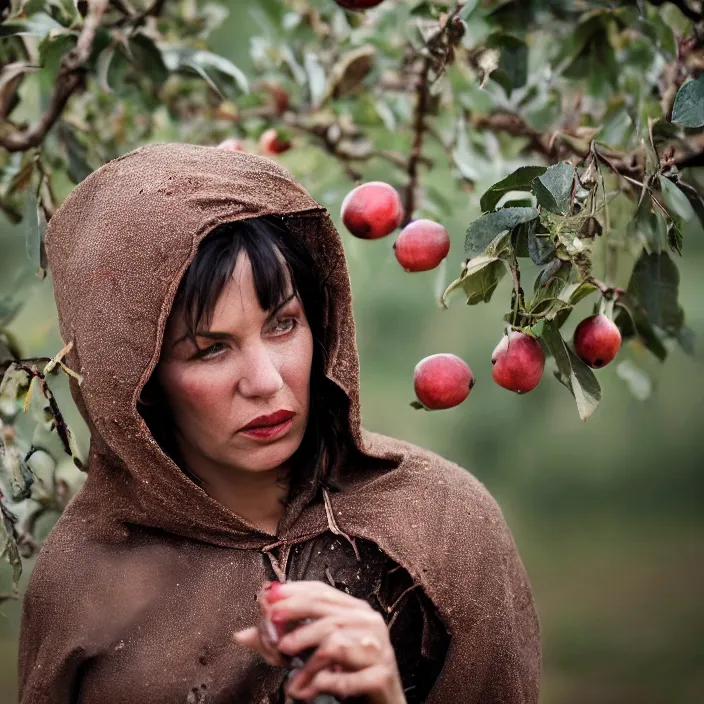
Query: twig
point(414, 155)
point(61, 426)
point(154, 10)
point(696, 159)
point(68, 80)
point(517, 290)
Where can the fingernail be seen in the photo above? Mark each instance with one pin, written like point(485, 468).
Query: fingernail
point(272, 592)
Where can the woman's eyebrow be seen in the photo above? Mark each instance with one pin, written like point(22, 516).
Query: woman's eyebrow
point(211, 335)
point(214, 335)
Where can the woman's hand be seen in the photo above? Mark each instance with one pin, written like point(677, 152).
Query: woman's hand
point(352, 653)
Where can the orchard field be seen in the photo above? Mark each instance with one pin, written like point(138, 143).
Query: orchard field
point(606, 513)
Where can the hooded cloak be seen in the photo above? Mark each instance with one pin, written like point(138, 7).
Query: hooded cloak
point(140, 585)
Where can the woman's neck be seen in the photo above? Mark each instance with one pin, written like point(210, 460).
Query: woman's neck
point(258, 497)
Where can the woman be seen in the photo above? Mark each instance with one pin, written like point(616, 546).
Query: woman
point(208, 302)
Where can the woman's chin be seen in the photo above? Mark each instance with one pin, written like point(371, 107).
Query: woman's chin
point(265, 459)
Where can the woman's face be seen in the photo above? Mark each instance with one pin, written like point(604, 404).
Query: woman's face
point(249, 363)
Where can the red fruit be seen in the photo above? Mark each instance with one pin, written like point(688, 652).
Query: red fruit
point(422, 245)
point(597, 340)
point(232, 144)
point(372, 210)
point(518, 362)
point(271, 143)
point(358, 4)
point(279, 96)
point(442, 381)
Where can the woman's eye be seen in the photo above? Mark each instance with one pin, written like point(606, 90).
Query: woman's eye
point(210, 351)
point(284, 325)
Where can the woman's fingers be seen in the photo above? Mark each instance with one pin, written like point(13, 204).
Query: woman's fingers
point(312, 634)
point(379, 684)
point(315, 591)
point(251, 638)
point(351, 649)
point(301, 606)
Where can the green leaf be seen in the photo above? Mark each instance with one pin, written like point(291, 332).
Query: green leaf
point(482, 231)
point(688, 109)
point(76, 153)
point(479, 279)
point(554, 188)
point(637, 381)
point(37, 25)
point(632, 322)
point(148, 58)
point(574, 373)
point(317, 82)
point(512, 71)
point(103, 67)
point(179, 58)
point(8, 542)
point(540, 248)
point(676, 201)
point(648, 226)
point(33, 227)
point(654, 284)
point(686, 338)
point(520, 180)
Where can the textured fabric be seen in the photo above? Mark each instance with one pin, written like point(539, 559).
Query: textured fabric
point(144, 578)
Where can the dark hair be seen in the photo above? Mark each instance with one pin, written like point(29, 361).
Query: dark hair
point(276, 257)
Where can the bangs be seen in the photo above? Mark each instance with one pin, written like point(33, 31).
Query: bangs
point(263, 241)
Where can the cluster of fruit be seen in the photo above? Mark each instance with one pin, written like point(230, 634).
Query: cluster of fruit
point(270, 143)
point(374, 210)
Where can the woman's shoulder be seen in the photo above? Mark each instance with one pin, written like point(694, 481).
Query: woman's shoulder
point(420, 470)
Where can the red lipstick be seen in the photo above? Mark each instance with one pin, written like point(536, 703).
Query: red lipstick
point(269, 427)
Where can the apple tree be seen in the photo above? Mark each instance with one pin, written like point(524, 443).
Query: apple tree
point(596, 108)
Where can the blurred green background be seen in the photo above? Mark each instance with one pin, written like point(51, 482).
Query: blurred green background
point(607, 515)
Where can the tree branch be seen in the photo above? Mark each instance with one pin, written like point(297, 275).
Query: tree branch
point(696, 159)
point(69, 78)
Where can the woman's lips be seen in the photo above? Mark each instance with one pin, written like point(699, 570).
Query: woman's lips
point(268, 432)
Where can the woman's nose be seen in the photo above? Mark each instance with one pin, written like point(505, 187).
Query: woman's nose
point(260, 374)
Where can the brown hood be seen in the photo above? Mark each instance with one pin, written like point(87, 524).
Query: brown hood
point(118, 248)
